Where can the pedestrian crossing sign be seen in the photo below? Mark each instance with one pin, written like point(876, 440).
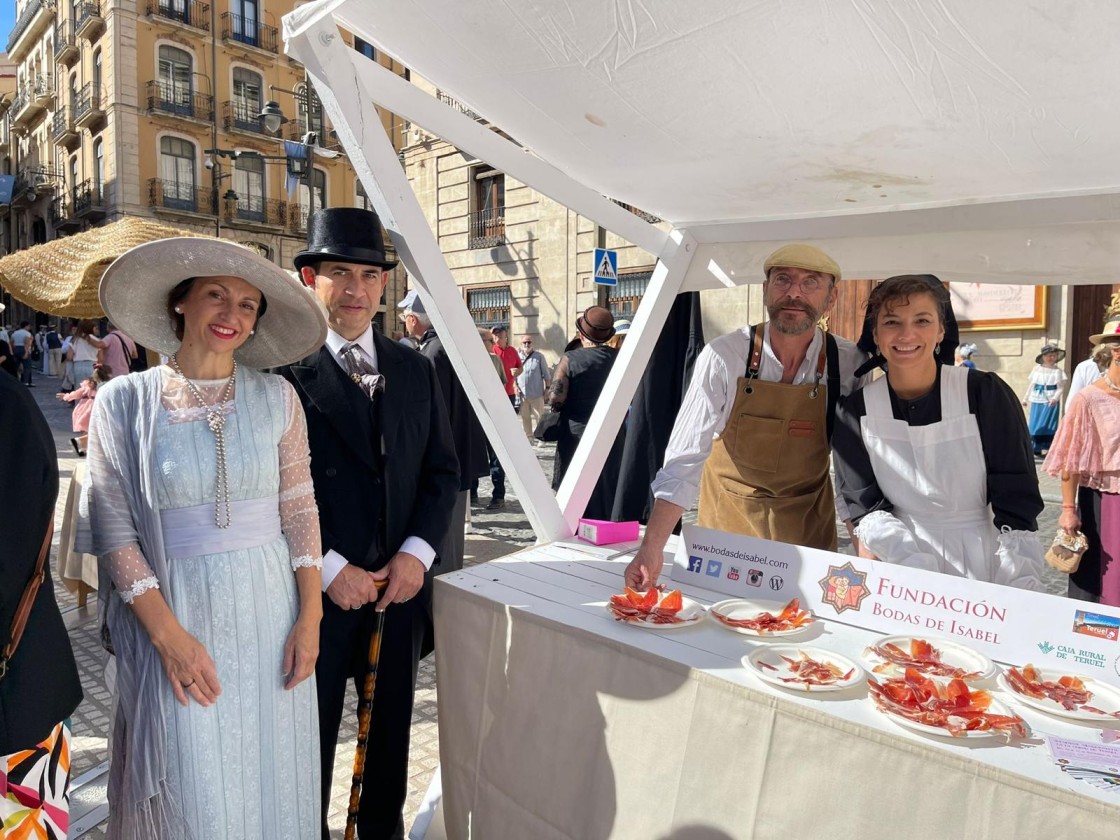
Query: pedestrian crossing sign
point(606, 267)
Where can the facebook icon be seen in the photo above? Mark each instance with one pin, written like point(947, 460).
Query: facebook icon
point(694, 564)
point(714, 568)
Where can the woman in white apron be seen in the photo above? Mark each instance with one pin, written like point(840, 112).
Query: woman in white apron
point(933, 460)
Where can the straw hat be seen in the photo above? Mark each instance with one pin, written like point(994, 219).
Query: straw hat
point(135, 287)
point(1111, 332)
point(61, 276)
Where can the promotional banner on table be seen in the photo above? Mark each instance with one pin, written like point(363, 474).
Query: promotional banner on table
point(1009, 625)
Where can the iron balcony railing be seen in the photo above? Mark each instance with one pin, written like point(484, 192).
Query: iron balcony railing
point(190, 13)
point(61, 123)
point(88, 197)
point(451, 101)
point(65, 42)
point(180, 195)
point(487, 228)
point(89, 100)
point(238, 115)
point(168, 98)
point(250, 32)
point(641, 214)
point(20, 100)
point(254, 208)
point(86, 12)
point(29, 12)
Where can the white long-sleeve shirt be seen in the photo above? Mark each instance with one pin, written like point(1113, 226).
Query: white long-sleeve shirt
point(1086, 373)
point(711, 396)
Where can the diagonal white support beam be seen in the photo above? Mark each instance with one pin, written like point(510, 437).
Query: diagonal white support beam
point(618, 392)
point(347, 100)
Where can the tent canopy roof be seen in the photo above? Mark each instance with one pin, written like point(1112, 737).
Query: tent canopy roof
point(764, 116)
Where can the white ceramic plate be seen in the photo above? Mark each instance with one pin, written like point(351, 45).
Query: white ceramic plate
point(740, 608)
point(1105, 697)
point(780, 671)
point(996, 708)
point(691, 612)
point(952, 653)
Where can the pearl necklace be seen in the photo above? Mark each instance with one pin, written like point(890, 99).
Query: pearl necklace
point(216, 420)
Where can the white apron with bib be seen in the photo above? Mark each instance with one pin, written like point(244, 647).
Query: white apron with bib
point(936, 477)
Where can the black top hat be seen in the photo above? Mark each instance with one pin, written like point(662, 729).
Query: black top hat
point(344, 234)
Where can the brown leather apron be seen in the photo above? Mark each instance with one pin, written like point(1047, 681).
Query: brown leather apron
point(767, 475)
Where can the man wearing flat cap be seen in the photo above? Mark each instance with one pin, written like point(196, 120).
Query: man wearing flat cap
point(385, 477)
point(751, 440)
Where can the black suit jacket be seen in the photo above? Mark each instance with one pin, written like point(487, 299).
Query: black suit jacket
point(42, 685)
point(416, 463)
point(466, 431)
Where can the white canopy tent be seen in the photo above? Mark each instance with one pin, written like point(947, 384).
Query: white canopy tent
point(976, 141)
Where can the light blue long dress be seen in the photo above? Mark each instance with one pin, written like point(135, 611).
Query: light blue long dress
point(248, 766)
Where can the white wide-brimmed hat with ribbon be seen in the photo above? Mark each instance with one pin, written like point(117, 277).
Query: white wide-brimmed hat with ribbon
point(135, 287)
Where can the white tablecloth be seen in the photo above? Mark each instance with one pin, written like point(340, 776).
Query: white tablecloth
point(558, 722)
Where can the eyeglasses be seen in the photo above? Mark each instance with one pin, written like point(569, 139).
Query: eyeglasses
point(810, 284)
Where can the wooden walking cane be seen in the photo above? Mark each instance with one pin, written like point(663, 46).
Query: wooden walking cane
point(365, 710)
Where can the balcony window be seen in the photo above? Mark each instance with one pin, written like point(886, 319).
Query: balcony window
point(247, 101)
point(488, 219)
point(176, 168)
point(175, 80)
point(246, 16)
point(489, 305)
point(248, 183)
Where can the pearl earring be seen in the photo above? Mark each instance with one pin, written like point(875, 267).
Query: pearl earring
point(179, 310)
point(252, 332)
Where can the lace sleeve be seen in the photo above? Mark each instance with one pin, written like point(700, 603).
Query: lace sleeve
point(118, 546)
point(299, 516)
point(130, 572)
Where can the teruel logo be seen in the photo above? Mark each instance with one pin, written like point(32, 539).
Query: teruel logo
point(694, 564)
point(733, 573)
point(714, 568)
point(1045, 647)
point(1098, 626)
point(844, 587)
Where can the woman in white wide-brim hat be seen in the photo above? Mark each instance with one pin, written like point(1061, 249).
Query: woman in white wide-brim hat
point(202, 513)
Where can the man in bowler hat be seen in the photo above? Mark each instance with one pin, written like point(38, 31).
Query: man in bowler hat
point(386, 477)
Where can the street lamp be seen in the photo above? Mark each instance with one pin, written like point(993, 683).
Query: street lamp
point(272, 117)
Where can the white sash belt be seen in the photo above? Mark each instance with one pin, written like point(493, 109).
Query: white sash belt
point(191, 532)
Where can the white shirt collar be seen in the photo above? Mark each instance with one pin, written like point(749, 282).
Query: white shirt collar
point(808, 365)
point(365, 341)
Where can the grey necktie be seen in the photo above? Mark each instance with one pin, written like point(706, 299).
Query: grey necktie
point(361, 372)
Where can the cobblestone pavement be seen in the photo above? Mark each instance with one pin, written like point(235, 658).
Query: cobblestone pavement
point(491, 534)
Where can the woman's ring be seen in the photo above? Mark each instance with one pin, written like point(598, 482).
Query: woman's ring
point(188, 685)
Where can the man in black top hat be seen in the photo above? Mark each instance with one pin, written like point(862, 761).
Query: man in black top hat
point(386, 478)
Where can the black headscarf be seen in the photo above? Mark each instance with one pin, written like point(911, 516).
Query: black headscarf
point(949, 343)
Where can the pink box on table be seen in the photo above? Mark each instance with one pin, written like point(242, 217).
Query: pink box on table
point(602, 532)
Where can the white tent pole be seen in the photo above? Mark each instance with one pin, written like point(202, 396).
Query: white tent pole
point(348, 103)
point(610, 410)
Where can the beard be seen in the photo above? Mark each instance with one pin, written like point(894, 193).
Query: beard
point(786, 324)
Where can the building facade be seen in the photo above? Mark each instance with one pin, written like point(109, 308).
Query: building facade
point(152, 108)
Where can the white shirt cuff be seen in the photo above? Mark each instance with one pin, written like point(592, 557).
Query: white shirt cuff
point(332, 565)
point(419, 549)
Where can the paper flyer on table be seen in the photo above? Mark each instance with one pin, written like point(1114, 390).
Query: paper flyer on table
point(1008, 624)
point(1084, 753)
